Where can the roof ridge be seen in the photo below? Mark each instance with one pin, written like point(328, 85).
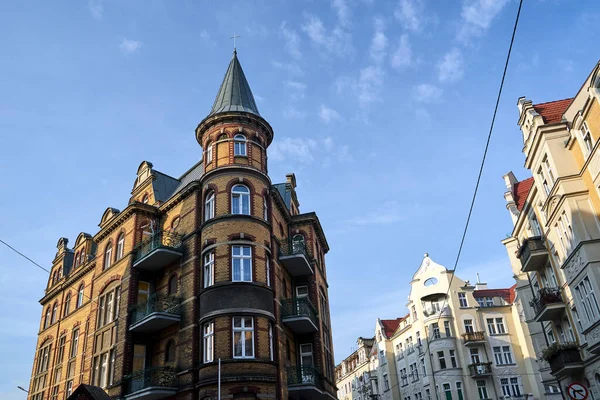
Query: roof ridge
point(553, 101)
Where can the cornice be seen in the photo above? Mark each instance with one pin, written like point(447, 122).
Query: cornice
point(122, 216)
point(70, 279)
point(233, 117)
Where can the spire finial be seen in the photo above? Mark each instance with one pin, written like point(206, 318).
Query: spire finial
point(234, 37)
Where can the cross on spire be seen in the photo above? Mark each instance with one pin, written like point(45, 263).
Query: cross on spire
point(234, 37)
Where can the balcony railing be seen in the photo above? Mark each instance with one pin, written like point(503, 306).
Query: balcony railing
point(548, 304)
point(158, 250)
point(295, 258)
point(304, 375)
point(565, 362)
point(533, 254)
point(152, 383)
point(480, 369)
point(156, 313)
point(300, 315)
point(471, 338)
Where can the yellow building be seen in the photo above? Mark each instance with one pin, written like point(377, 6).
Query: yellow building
point(458, 341)
point(353, 374)
point(218, 264)
point(554, 248)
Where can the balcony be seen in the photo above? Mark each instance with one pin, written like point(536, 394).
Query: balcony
point(473, 338)
point(157, 251)
point(564, 359)
point(533, 254)
point(306, 382)
point(548, 305)
point(155, 314)
point(480, 370)
point(151, 384)
point(295, 258)
point(299, 315)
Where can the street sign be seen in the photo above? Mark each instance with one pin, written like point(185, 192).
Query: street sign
point(577, 391)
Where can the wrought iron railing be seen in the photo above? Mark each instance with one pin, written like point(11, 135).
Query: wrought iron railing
point(164, 377)
point(155, 303)
point(299, 308)
point(478, 369)
point(564, 357)
point(290, 248)
point(304, 375)
point(529, 245)
point(473, 336)
point(545, 296)
point(160, 239)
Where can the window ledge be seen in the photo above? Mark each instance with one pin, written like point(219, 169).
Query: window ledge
point(506, 365)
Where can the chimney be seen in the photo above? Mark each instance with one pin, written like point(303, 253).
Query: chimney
point(510, 180)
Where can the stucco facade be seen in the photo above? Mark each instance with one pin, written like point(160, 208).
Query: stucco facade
point(554, 248)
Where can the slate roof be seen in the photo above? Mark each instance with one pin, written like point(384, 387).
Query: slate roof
point(234, 93)
point(163, 186)
point(89, 392)
point(521, 191)
point(552, 111)
point(285, 195)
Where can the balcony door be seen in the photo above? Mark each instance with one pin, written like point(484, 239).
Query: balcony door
point(475, 356)
point(301, 294)
point(306, 363)
point(297, 244)
point(142, 300)
point(139, 365)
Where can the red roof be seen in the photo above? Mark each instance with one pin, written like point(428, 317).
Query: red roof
point(521, 191)
point(507, 294)
point(552, 111)
point(390, 325)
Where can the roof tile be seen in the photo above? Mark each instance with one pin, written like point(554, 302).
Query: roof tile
point(552, 111)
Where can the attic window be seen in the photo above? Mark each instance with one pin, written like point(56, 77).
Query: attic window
point(430, 282)
point(145, 199)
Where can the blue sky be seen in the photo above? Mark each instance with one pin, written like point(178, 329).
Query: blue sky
point(381, 108)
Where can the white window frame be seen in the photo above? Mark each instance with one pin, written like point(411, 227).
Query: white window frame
point(209, 206)
point(239, 145)
point(271, 353)
point(468, 325)
point(209, 153)
point(208, 342)
point(80, 294)
point(268, 268)
point(462, 299)
point(209, 269)
point(588, 300)
point(240, 331)
point(482, 389)
point(120, 246)
point(588, 141)
point(108, 256)
point(500, 326)
point(491, 326)
point(245, 263)
point(242, 194)
point(265, 209)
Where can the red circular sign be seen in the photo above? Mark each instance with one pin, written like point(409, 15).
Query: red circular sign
point(577, 391)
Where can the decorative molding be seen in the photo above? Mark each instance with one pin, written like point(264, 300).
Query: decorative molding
point(574, 265)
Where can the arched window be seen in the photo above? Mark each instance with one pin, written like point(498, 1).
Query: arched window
point(54, 313)
point(240, 200)
point(47, 318)
point(209, 206)
point(120, 246)
point(239, 143)
point(298, 245)
point(76, 260)
point(170, 352)
point(82, 257)
point(80, 296)
point(172, 289)
point(108, 255)
point(265, 208)
point(175, 223)
point(145, 199)
point(67, 305)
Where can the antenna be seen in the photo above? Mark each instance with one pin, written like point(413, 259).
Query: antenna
point(478, 280)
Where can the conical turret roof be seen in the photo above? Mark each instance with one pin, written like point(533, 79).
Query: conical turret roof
point(234, 93)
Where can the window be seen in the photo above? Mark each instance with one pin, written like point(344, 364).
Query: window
point(500, 325)
point(423, 367)
point(403, 377)
point(565, 233)
point(209, 340)
point(80, 296)
point(588, 144)
point(209, 269)
point(209, 206)
point(145, 199)
point(474, 356)
point(242, 263)
point(468, 323)
point(108, 306)
point(69, 387)
point(436, 330)
point(74, 343)
point(82, 257)
point(172, 288)
point(462, 299)
point(67, 305)
point(441, 359)
point(427, 394)
point(265, 209)
point(447, 328)
point(511, 387)
point(271, 354)
point(482, 390)
point(120, 246)
point(268, 267)
point(239, 144)
point(419, 343)
point(240, 200)
point(54, 313)
point(47, 318)
point(459, 390)
point(447, 391)
point(170, 352)
point(453, 359)
point(61, 349)
point(491, 327)
point(243, 337)
point(414, 313)
point(386, 383)
point(548, 170)
point(108, 256)
point(175, 223)
point(488, 301)
point(498, 355)
point(587, 299)
point(209, 153)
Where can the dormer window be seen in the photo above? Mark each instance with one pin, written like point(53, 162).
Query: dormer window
point(239, 144)
point(145, 199)
point(588, 144)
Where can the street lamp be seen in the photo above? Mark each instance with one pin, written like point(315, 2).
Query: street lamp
point(21, 388)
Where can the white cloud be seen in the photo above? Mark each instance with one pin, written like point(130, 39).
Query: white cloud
point(387, 213)
point(328, 115)
point(476, 17)
point(295, 85)
point(293, 113)
point(292, 68)
point(450, 69)
point(205, 36)
point(297, 89)
point(402, 57)
point(337, 41)
point(379, 41)
point(130, 46)
point(307, 150)
point(427, 93)
point(369, 85)
point(96, 8)
point(342, 11)
point(292, 41)
point(409, 14)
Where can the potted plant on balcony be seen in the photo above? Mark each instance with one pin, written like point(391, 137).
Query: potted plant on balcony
point(552, 351)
